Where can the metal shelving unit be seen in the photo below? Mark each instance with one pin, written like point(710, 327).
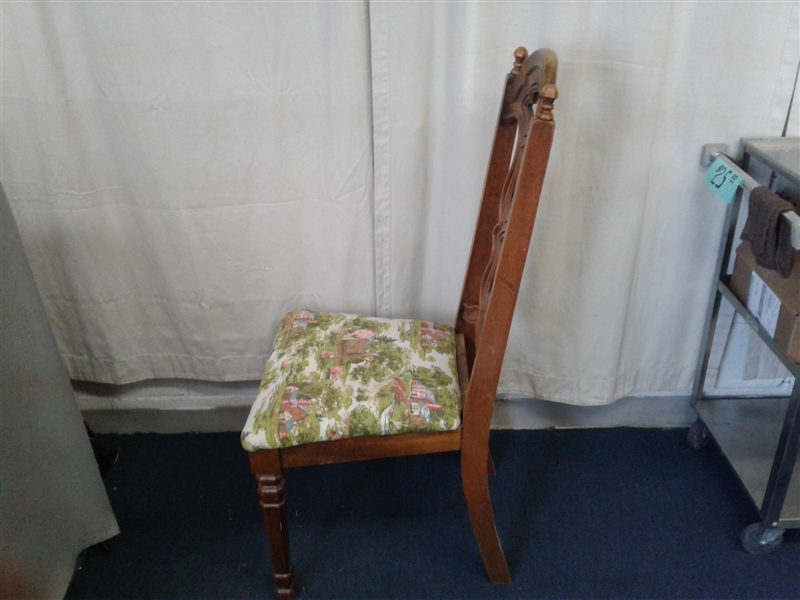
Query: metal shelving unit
point(758, 436)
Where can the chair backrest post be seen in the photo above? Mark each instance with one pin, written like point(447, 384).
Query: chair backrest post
point(481, 253)
point(514, 180)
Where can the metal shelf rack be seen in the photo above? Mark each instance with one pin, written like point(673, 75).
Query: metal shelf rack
point(758, 436)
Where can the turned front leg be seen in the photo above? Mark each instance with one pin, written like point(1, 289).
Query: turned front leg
point(272, 495)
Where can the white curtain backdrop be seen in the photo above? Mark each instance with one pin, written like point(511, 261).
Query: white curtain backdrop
point(183, 173)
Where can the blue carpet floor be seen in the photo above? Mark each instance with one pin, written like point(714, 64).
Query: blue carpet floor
point(614, 513)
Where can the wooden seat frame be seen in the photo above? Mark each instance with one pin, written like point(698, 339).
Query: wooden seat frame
point(517, 165)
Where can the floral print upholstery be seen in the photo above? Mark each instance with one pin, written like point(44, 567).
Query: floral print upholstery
point(333, 376)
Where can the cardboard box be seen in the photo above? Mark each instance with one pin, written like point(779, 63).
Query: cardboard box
point(787, 291)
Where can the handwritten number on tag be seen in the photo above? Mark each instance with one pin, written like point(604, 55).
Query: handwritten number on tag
point(723, 180)
point(720, 176)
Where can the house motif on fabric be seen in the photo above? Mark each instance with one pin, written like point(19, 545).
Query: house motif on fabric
point(432, 335)
point(419, 401)
point(423, 401)
point(355, 345)
point(303, 318)
point(300, 319)
point(293, 410)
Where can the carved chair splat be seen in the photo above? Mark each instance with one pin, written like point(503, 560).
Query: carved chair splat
point(517, 166)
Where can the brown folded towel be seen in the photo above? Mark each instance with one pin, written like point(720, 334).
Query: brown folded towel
point(770, 236)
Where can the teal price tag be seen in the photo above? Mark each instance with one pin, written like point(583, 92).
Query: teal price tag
point(723, 180)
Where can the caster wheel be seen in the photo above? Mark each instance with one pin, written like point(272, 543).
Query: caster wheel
point(698, 435)
point(758, 539)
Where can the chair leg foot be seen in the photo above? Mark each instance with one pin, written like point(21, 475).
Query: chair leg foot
point(284, 585)
point(272, 493)
point(479, 504)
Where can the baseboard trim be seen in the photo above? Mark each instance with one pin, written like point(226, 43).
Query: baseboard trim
point(634, 411)
point(171, 408)
point(177, 406)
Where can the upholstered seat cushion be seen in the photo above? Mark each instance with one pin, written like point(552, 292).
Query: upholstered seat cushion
point(333, 376)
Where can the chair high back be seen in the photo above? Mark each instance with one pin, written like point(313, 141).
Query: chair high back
point(517, 166)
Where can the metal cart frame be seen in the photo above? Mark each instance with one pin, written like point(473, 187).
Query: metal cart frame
point(758, 436)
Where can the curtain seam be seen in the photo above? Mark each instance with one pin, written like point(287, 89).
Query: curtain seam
point(381, 152)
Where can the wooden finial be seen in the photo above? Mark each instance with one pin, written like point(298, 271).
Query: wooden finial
point(520, 54)
point(544, 107)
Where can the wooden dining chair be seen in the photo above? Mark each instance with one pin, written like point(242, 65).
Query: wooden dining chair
point(340, 387)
